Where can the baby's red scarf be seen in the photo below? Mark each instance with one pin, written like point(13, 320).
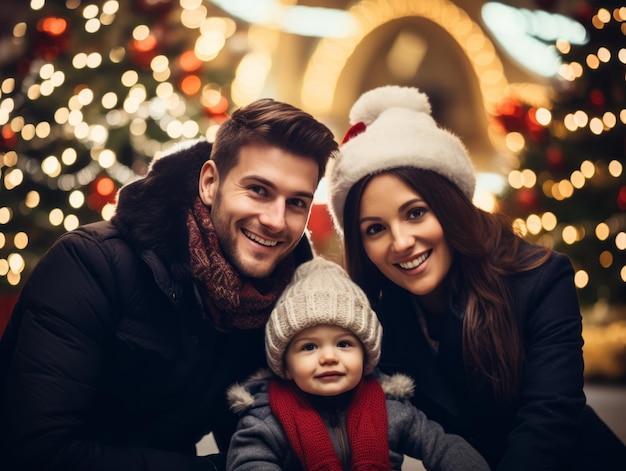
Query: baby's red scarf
point(366, 427)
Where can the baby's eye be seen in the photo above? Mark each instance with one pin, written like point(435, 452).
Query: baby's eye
point(308, 347)
point(344, 344)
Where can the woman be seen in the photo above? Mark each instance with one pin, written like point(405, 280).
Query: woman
point(488, 325)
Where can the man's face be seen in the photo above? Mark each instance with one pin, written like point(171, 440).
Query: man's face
point(261, 207)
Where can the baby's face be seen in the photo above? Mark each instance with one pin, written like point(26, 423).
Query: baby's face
point(325, 360)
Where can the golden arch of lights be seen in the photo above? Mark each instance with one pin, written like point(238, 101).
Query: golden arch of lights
point(328, 60)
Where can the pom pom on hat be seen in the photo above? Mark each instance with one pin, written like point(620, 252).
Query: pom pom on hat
point(321, 292)
point(392, 127)
point(372, 104)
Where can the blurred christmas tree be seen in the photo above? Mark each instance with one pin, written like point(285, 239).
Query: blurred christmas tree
point(569, 191)
point(90, 92)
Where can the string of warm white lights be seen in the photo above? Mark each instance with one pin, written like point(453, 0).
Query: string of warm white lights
point(600, 125)
point(97, 92)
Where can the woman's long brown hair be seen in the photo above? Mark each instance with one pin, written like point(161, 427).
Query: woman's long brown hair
point(485, 250)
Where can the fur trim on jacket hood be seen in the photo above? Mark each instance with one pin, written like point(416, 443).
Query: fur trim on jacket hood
point(151, 212)
point(241, 396)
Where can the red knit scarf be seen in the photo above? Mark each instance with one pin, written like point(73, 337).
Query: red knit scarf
point(366, 427)
point(233, 302)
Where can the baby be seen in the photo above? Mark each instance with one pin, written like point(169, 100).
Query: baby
point(326, 407)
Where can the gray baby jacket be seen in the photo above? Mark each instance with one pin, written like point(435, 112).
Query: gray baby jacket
point(259, 444)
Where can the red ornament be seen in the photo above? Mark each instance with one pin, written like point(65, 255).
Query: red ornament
point(217, 111)
point(52, 37)
point(8, 138)
point(597, 97)
point(555, 159)
point(189, 62)
point(526, 199)
point(143, 51)
point(102, 192)
point(510, 115)
point(621, 198)
point(190, 84)
point(534, 129)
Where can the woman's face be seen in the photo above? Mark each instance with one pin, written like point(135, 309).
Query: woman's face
point(402, 236)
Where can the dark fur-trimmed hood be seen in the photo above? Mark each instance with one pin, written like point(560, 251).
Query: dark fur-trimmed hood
point(151, 212)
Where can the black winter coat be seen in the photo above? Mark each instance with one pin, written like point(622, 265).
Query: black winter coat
point(108, 362)
point(549, 427)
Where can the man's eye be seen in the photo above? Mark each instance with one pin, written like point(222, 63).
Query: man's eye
point(297, 202)
point(258, 190)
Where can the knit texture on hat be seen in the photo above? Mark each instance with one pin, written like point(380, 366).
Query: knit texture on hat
point(399, 132)
point(321, 292)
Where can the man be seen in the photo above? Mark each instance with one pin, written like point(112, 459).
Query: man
point(127, 334)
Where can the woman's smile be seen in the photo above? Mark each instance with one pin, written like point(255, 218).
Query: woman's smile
point(416, 262)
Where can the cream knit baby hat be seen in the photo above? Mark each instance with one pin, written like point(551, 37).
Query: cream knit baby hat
point(392, 127)
point(321, 293)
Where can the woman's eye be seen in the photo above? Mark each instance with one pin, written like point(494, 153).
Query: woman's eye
point(416, 213)
point(373, 229)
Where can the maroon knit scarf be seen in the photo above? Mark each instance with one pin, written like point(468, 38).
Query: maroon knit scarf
point(366, 427)
point(233, 302)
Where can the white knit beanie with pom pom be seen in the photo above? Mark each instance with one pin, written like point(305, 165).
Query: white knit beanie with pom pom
point(392, 127)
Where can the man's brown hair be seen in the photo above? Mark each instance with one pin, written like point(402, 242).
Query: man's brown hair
point(270, 122)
